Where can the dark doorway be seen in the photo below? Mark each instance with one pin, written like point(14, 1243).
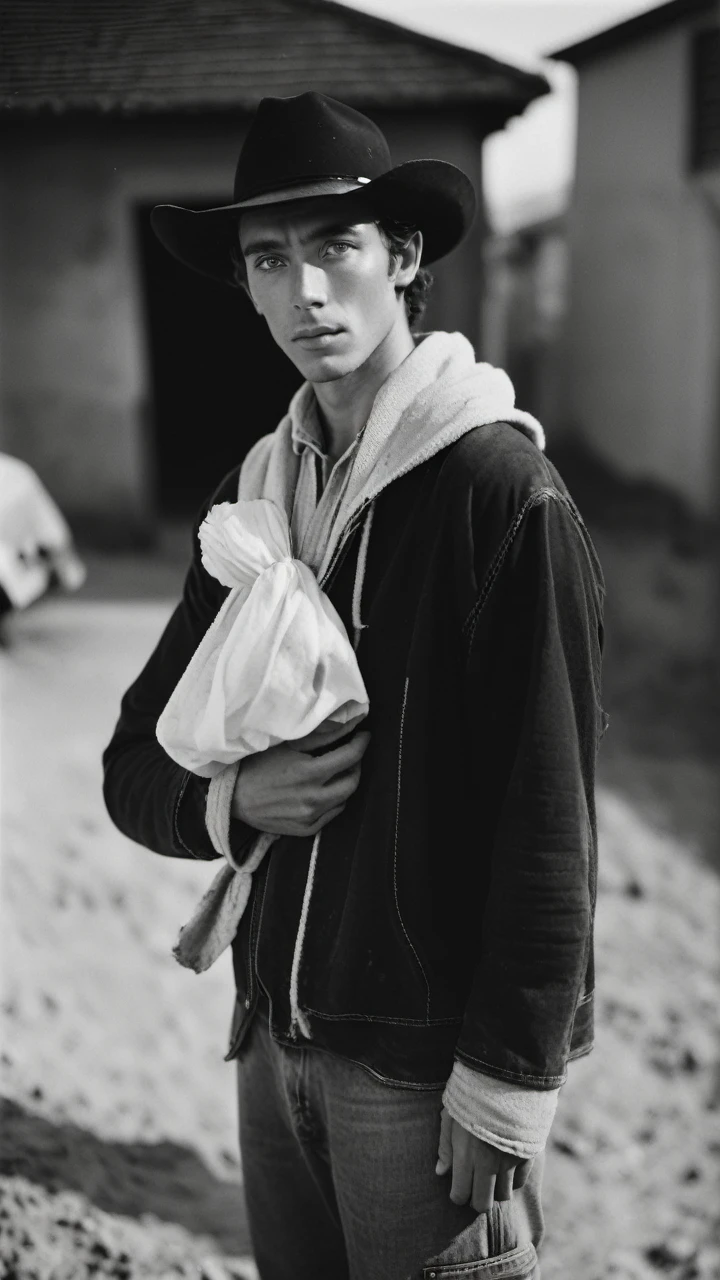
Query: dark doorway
point(218, 380)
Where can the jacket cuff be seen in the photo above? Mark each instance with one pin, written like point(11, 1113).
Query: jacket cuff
point(191, 830)
point(511, 1117)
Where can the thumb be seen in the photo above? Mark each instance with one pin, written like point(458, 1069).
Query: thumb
point(444, 1162)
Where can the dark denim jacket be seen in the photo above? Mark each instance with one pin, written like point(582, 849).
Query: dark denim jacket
point(453, 902)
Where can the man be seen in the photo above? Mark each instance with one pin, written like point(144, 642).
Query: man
point(412, 985)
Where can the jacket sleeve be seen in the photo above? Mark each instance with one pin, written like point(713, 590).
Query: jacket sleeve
point(534, 642)
point(149, 797)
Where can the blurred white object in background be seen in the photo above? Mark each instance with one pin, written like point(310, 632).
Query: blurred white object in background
point(36, 546)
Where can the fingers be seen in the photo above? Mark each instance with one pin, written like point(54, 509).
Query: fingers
point(340, 760)
point(504, 1180)
point(461, 1188)
point(522, 1172)
point(444, 1160)
point(481, 1174)
point(324, 820)
point(339, 789)
point(325, 734)
point(483, 1190)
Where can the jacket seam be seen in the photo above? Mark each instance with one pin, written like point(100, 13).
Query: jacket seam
point(501, 1073)
point(416, 1085)
point(581, 1051)
point(181, 792)
point(535, 498)
point(249, 996)
point(372, 1017)
point(253, 950)
point(395, 849)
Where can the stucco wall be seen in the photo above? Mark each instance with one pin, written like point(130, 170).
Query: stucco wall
point(75, 378)
point(76, 382)
point(643, 330)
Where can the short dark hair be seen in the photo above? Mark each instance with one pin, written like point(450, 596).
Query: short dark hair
point(395, 236)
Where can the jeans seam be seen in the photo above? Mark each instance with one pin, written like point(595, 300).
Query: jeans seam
point(498, 1264)
point(395, 849)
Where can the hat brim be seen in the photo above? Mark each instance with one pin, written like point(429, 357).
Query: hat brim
point(433, 195)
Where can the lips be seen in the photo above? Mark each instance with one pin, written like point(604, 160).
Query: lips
point(321, 332)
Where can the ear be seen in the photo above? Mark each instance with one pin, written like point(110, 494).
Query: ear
point(407, 264)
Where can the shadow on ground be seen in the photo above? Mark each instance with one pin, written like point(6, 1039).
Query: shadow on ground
point(163, 1179)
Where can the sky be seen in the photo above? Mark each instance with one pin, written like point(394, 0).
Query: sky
point(529, 165)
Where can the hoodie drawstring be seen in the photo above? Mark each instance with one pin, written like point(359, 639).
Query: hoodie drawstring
point(360, 576)
point(297, 1017)
point(298, 1020)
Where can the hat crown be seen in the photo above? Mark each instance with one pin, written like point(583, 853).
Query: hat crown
point(307, 136)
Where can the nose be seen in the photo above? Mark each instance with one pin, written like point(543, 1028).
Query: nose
point(309, 287)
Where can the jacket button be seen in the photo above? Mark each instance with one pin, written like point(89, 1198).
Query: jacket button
point(247, 1002)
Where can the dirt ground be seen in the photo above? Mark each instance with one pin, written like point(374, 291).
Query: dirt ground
point(119, 1129)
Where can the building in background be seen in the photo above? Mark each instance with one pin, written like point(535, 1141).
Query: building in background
point(119, 363)
point(641, 352)
point(524, 305)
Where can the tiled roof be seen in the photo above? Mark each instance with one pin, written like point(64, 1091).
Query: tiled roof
point(136, 56)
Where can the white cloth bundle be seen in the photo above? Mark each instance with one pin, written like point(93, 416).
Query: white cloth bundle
point(275, 664)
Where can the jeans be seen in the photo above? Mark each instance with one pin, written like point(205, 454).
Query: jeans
point(340, 1179)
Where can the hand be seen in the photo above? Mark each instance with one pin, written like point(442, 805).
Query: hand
point(480, 1173)
point(289, 792)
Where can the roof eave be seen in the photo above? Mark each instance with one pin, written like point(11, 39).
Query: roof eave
point(528, 84)
point(497, 108)
point(642, 24)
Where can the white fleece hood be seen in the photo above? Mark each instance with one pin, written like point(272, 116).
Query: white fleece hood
point(432, 399)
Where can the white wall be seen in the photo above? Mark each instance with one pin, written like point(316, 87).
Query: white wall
point(75, 382)
point(643, 330)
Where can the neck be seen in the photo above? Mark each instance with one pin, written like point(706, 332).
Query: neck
point(345, 403)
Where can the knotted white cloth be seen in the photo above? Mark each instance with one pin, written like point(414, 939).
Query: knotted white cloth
point(275, 665)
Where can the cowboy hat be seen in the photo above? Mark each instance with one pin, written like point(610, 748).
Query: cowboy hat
point(308, 146)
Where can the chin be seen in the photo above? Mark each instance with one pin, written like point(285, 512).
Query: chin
point(328, 368)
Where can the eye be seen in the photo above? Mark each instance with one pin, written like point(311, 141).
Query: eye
point(338, 247)
point(267, 264)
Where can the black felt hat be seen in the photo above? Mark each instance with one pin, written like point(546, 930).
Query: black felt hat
point(308, 146)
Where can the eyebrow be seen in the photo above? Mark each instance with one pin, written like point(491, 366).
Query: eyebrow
point(269, 244)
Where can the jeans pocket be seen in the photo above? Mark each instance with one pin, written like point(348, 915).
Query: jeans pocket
point(489, 1249)
point(515, 1264)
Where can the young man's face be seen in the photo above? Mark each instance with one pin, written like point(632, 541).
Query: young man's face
point(324, 281)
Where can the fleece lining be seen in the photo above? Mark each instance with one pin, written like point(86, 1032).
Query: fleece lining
point(510, 1117)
